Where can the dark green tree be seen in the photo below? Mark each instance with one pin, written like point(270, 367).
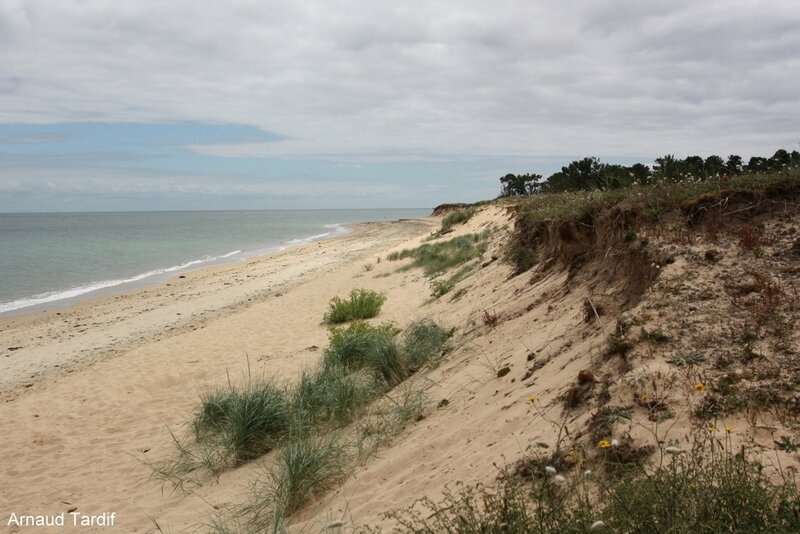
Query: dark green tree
point(779, 160)
point(667, 169)
point(714, 165)
point(581, 174)
point(519, 185)
point(734, 164)
point(757, 164)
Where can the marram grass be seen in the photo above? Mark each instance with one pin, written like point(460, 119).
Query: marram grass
point(361, 304)
point(244, 423)
point(354, 384)
point(436, 258)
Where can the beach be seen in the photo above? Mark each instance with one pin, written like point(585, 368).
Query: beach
point(533, 381)
point(91, 392)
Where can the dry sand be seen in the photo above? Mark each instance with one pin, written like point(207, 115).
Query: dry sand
point(90, 391)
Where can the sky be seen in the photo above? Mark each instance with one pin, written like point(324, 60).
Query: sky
point(261, 104)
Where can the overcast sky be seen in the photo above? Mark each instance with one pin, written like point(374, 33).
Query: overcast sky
point(119, 104)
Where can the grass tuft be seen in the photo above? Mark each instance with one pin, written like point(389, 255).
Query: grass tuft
point(332, 395)
point(423, 341)
point(351, 347)
point(308, 423)
point(305, 468)
point(244, 423)
point(361, 304)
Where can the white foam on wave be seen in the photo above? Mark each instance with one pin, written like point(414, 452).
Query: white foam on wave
point(53, 296)
point(335, 229)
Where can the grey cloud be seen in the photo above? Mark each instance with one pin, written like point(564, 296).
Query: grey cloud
point(356, 78)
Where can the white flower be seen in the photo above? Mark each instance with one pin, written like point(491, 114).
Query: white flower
point(559, 479)
point(550, 470)
point(587, 472)
point(597, 525)
point(614, 442)
point(673, 450)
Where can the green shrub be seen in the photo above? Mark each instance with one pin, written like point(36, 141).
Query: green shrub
point(244, 423)
point(362, 304)
point(387, 362)
point(350, 347)
point(423, 341)
point(332, 395)
point(441, 287)
point(306, 467)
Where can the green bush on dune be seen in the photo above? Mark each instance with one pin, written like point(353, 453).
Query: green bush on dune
point(361, 363)
point(244, 423)
point(332, 395)
point(351, 347)
point(361, 304)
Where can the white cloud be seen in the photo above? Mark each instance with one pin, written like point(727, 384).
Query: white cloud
point(417, 79)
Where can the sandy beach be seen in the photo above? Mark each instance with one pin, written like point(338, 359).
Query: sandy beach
point(89, 392)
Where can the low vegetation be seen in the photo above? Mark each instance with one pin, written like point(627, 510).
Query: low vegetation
point(338, 412)
point(436, 258)
point(705, 489)
point(306, 467)
point(243, 423)
point(361, 304)
point(457, 217)
point(641, 205)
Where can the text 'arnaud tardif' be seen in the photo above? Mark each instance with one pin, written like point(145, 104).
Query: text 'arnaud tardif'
point(63, 519)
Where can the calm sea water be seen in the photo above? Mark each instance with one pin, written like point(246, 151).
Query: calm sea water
point(49, 257)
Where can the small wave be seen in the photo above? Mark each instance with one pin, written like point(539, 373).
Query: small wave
point(336, 229)
point(53, 296)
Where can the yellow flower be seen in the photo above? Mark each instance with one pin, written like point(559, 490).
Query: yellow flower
point(604, 444)
point(711, 429)
point(699, 386)
point(573, 457)
point(728, 429)
point(532, 399)
point(643, 398)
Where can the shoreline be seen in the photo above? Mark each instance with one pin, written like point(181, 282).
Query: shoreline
point(38, 345)
point(158, 275)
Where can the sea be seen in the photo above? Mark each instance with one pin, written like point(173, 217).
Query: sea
point(52, 259)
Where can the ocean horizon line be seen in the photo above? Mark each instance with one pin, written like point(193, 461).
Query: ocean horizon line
point(209, 210)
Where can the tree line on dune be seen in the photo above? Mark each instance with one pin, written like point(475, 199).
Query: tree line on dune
point(590, 173)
